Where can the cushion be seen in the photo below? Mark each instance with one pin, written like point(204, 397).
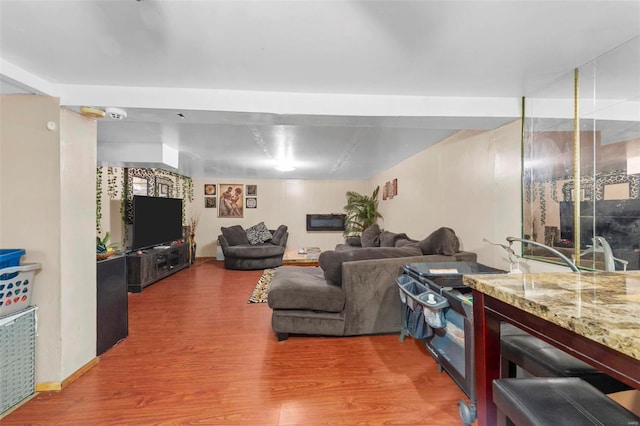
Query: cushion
point(254, 251)
point(353, 241)
point(331, 261)
point(371, 236)
point(407, 242)
point(304, 288)
point(258, 233)
point(441, 241)
point(278, 236)
point(389, 239)
point(235, 235)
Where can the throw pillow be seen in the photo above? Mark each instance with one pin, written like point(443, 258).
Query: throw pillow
point(259, 233)
point(353, 241)
point(389, 239)
point(279, 235)
point(235, 235)
point(441, 241)
point(404, 243)
point(371, 236)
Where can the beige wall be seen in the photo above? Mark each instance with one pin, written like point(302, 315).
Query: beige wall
point(280, 201)
point(78, 154)
point(47, 201)
point(469, 182)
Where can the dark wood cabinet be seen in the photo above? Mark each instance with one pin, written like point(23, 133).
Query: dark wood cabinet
point(112, 303)
point(155, 264)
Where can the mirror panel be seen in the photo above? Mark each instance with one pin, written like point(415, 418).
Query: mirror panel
point(586, 168)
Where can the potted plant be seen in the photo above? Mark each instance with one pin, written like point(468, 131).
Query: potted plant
point(362, 212)
point(103, 248)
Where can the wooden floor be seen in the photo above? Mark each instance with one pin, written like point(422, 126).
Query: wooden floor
point(197, 353)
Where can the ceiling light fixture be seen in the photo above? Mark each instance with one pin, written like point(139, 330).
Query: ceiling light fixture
point(285, 167)
point(284, 161)
point(92, 112)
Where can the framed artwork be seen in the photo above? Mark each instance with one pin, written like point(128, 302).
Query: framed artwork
point(231, 200)
point(210, 189)
point(252, 202)
point(394, 187)
point(163, 190)
point(252, 190)
point(388, 189)
point(139, 186)
point(210, 202)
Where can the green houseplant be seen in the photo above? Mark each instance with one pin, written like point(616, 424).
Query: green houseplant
point(103, 248)
point(361, 212)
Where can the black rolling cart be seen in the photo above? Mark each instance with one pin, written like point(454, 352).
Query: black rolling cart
point(446, 307)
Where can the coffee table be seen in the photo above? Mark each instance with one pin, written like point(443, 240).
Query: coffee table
point(310, 256)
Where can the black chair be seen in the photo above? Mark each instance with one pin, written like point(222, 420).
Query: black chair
point(541, 359)
point(556, 401)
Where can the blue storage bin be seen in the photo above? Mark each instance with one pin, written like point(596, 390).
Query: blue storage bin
point(10, 257)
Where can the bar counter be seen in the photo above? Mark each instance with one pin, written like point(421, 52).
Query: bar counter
point(594, 316)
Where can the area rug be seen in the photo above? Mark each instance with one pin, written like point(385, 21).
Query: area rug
point(259, 294)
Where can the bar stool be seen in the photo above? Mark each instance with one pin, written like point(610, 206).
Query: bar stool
point(553, 401)
point(541, 359)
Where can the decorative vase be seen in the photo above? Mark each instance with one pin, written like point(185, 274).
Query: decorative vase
point(192, 248)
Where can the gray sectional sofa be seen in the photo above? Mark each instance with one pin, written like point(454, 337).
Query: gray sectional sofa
point(353, 292)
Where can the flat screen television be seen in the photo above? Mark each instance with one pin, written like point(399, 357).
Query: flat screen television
point(156, 221)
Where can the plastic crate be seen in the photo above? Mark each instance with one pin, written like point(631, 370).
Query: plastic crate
point(10, 257)
point(16, 287)
point(17, 358)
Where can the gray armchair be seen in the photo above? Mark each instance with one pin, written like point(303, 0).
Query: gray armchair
point(243, 254)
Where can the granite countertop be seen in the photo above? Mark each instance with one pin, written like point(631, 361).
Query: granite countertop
point(602, 306)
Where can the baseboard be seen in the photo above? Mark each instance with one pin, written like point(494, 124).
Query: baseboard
point(58, 386)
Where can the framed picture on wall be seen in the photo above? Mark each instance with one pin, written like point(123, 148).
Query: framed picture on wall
point(252, 202)
point(139, 186)
point(209, 189)
point(163, 190)
point(252, 190)
point(231, 200)
point(210, 202)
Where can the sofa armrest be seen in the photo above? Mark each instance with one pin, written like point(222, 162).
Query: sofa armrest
point(280, 236)
point(371, 294)
point(223, 243)
point(283, 241)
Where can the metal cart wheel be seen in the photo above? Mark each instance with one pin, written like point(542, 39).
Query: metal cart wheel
point(467, 413)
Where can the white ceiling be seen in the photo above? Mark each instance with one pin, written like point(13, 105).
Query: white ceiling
point(348, 88)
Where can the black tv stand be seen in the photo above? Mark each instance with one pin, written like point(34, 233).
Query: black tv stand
point(155, 264)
